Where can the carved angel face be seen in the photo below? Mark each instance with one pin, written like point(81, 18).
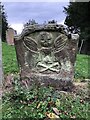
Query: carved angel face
point(45, 39)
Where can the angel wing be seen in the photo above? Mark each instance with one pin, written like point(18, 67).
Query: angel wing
point(30, 44)
point(60, 42)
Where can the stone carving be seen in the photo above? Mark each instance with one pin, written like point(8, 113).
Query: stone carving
point(44, 50)
point(46, 54)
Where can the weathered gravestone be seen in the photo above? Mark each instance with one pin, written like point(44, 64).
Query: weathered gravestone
point(46, 55)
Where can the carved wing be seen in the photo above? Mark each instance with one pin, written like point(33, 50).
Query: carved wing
point(30, 44)
point(60, 42)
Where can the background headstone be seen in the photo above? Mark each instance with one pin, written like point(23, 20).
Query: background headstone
point(10, 33)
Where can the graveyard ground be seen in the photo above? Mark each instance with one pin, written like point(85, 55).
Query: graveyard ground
point(41, 102)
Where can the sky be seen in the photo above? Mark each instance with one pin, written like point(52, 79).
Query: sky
point(18, 13)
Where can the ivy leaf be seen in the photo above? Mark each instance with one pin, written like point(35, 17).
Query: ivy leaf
point(57, 103)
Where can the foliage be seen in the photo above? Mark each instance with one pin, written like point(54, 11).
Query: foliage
point(75, 16)
point(52, 22)
point(30, 22)
point(3, 22)
point(9, 59)
point(37, 102)
point(78, 19)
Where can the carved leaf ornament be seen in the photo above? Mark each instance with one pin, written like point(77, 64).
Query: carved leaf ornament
point(59, 44)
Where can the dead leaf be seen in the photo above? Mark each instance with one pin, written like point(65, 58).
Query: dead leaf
point(39, 105)
point(52, 116)
point(73, 117)
point(56, 111)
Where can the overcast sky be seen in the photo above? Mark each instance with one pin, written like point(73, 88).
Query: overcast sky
point(18, 13)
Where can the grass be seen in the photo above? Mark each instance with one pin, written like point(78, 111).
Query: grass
point(82, 66)
point(9, 59)
point(41, 102)
point(10, 62)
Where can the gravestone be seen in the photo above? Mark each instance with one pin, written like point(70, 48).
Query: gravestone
point(10, 33)
point(46, 55)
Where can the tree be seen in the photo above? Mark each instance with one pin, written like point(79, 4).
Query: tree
point(52, 21)
point(30, 22)
point(3, 22)
point(78, 18)
point(78, 15)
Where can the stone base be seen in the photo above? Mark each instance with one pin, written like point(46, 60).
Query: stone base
point(52, 80)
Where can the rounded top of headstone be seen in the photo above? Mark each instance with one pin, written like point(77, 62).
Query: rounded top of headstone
point(46, 27)
point(31, 28)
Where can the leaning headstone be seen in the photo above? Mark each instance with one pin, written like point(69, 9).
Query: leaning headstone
point(46, 55)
